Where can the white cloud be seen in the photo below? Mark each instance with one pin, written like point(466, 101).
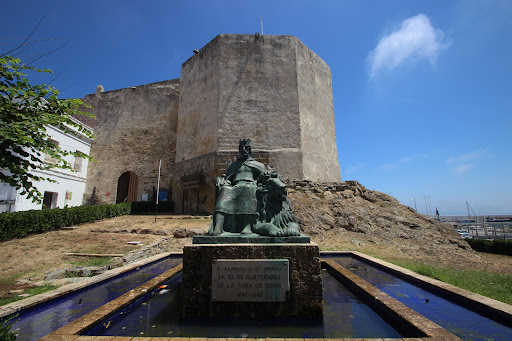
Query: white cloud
point(389, 166)
point(463, 162)
point(405, 159)
point(353, 169)
point(468, 156)
point(415, 40)
point(413, 157)
point(463, 168)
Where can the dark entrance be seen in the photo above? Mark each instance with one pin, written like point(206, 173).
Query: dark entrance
point(190, 199)
point(49, 200)
point(127, 188)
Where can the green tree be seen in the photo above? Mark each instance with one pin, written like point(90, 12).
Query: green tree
point(5, 331)
point(25, 112)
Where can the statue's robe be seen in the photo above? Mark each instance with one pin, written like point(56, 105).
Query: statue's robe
point(241, 197)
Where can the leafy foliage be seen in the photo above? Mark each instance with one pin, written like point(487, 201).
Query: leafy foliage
point(24, 223)
point(25, 112)
point(5, 332)
point(21, 224)
point(496, 246)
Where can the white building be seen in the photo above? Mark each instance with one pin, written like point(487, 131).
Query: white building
point(70, 186)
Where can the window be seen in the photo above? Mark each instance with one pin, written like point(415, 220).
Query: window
point(78, 164)
point(47, 157)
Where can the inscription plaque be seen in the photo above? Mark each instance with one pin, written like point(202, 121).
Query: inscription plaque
point(250, 280)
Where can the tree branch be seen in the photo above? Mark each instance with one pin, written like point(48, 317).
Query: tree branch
point(47, 53)
point(27, 38)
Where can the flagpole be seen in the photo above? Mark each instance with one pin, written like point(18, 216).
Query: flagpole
point(157, 188)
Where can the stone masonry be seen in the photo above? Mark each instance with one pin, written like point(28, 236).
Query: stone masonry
point(271, 89)
point(136, 129)
point(304, 299)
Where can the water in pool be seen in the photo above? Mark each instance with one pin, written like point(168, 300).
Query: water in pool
point(158, 315)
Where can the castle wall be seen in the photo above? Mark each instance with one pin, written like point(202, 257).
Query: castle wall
point(318, 132)
point(135, 128)
point(251, 82)
point(258, 92)
point(271, 89)
point(198, 113)
point(259, 100)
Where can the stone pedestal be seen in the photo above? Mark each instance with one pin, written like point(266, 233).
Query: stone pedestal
point(302, 265)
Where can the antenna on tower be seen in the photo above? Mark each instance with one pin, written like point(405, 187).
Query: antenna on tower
point(261, 25)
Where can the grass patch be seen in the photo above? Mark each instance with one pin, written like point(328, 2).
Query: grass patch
point(5, 280)
point(91, 261)
point(30, 291)
point(493, 285)
point(331, 248)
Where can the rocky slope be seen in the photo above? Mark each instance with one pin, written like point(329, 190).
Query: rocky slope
point(348, 216)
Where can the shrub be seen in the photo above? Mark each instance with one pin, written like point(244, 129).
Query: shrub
point(497, 246)
point(21, 224)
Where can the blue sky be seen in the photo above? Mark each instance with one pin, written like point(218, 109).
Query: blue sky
point(422, 89)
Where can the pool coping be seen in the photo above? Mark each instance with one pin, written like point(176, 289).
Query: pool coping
point(72, 330)
point(399, 315)
point(469, 298)
point(404, 319)
point(495, 310)
point(31, 301)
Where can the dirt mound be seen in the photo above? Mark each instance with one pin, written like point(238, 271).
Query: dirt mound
point(348, 216)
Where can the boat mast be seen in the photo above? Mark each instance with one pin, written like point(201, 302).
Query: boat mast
point(469, 207)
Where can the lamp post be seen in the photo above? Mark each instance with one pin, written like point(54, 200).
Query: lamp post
point(157, 188)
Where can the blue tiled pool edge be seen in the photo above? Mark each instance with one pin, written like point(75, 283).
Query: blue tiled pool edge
point(495, 310)
point(488, 307)
point(29, 302)
point(405, 318)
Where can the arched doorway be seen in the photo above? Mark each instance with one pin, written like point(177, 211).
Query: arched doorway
point(127, 188)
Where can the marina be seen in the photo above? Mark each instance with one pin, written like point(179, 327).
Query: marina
point(482, 227)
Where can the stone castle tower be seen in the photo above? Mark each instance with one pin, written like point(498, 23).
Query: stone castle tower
point(271, 89)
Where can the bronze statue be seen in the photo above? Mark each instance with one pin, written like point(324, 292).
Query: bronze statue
point(275, 215)
point(252, 200)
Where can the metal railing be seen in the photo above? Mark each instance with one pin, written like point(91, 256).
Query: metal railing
point(487, 230)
